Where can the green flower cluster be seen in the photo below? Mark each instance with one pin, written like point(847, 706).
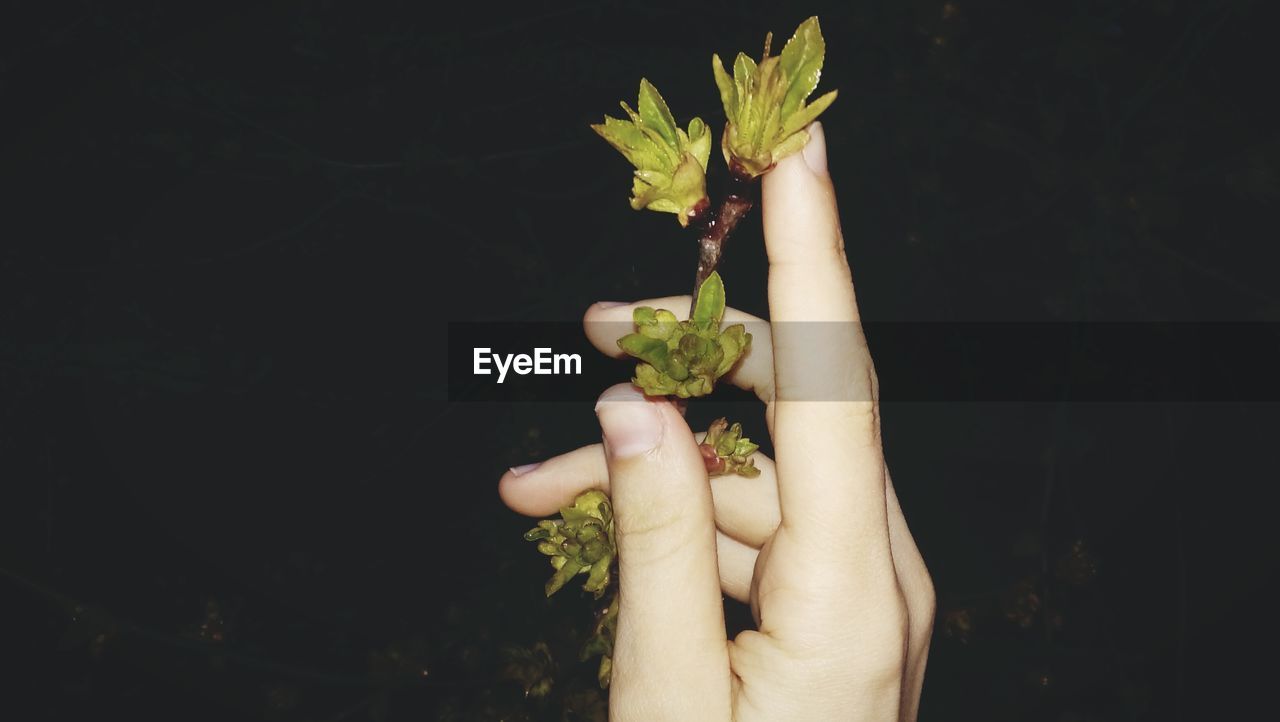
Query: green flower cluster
point(684, 358)
point(671, 163)
point(765, 102)
point(726, 451)
point(580, 542)
point(765, 105)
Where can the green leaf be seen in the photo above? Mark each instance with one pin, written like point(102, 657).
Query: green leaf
point(649, 350)
point(656, 115)
point(677, 367)
point(793, 143)
point(653, 381)
point(653, 197)
point(654, 177)
point(808, 113)
point(710, 308)
point(682, 193)
point(669, 154)
point(727, 442)
point(562, 576)
point(699, 140)
point(801, 62)
point(735, 341)
point(770, 125)
point(598, 578)
point(728, 91)
point(768, 96)
point(630, 141)
point(744, 75)
point(660, 324)
point(543, 530)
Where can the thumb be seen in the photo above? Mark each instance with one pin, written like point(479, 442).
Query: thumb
point(670, 654)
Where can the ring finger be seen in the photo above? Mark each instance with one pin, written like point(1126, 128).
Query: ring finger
point(746, 510)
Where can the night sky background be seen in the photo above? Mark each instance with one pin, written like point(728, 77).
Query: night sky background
point(233, 484)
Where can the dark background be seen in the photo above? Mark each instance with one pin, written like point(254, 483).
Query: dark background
point(233, 235)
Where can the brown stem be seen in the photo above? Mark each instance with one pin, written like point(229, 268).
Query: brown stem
point(715, 232)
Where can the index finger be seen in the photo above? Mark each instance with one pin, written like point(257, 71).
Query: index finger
point(826, 419)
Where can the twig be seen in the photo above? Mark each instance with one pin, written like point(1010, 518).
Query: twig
point(717, 229)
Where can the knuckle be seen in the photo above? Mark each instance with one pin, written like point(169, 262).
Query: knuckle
point(862, 418)
point(884, 653)
point(877, 627)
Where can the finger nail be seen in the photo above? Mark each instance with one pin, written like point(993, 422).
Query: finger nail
point(815, 151)
point(630, 422)
point(525, 468)
point(610, 304)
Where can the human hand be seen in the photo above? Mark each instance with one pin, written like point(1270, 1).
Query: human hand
point(817, 544)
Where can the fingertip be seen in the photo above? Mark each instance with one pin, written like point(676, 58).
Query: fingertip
point(809, 274)
point(543, 488)
point(525, 491)
point(788, 173)
point(509, 490)
point(803, 175)
point(589, 315)
point(631, 422)
point(814, 152)
point(666, 407)
point(810, 162)
point(594, 310)
point(604, 324)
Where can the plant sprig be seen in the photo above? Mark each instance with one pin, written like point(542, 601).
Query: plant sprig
point(766, 111)
point(765, 101)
